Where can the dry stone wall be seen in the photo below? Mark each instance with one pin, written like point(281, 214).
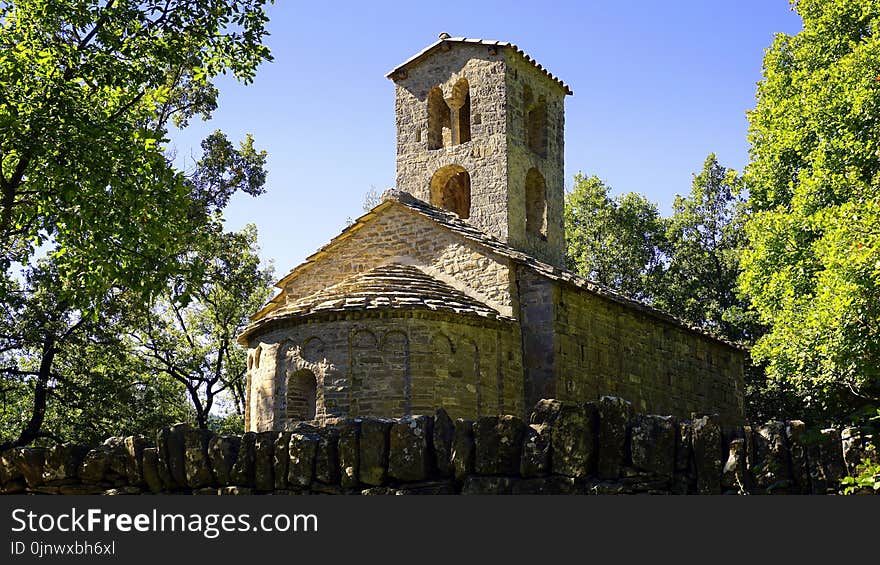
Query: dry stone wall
point(602, 447)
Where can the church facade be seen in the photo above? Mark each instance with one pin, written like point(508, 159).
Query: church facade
point(452, 292)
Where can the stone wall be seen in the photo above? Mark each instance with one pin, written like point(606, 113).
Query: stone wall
point(521, 76)
point(592, 346)
point(399, 234)
point(599, 447)
point(390, 364)
point(483, 157)
point(496, 157)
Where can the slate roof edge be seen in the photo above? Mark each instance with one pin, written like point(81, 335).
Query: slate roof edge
point(409, 202)
point(424, 53)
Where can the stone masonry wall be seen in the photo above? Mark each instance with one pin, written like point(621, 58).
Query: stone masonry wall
point(519, 75)
point(606, 348)
point(497, 157)
point(599, 447)
point(484, 157)
point(384, 365)
point(399, 233)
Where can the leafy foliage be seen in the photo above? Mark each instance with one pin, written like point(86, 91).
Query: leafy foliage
point(704, 240)
point(189, 332)
point(615, 241)
point(93, 214)
point(812, 269)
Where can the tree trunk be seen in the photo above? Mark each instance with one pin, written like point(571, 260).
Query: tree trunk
point(41, 392)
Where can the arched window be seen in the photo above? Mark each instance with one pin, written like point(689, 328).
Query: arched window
point(302, 394)
point(449, 120)
point(439, 125)
point(451, 190)
point(460, 104)
point(536, 123)
point(536, 203)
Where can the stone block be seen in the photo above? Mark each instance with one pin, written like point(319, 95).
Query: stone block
point(734, 477)
point(463, 449)
point(223, 453)
point(177, 453)
point(349, 452)
point(498, 441)
point(327, 456)
point(373, 451)
point(264, 463)
point(573, 440)
point(827, 466)
point(614, 416)
point(281, 459)
point(771, 471)
point(535, 460)
point(545, 411)
point(444, 430)
point(63, 462)
point(9, 470)
point(162, 468)
point(707, 454)
point(652, 447)
point(95, 464)
point(134, 459)
point(151, 470)
point(242, 473)
point(196, 464)
point(409, 455)
point(302, 449)
point(795, 431)
point(36, 464)
point(117, 471)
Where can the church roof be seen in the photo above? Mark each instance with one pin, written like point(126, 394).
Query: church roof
point(445, 40)
point(453, 223)
point(388, 287)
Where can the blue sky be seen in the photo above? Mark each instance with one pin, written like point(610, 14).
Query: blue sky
point(657, 86)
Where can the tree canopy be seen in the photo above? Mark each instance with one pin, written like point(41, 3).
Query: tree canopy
point(812, 269)
point(615, 241)
point(93, 212)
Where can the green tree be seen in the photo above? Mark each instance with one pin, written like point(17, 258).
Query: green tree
point(813, 266)
point(91, 207)
point(704, 241)
point(614, 241)
point(189, 333)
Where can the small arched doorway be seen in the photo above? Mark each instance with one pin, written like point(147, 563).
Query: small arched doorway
point(451, 190)
point(302, 395)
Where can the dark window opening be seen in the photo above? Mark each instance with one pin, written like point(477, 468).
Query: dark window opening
point(438, 119)
point(536, 203)
point(302, 392)
point(451, 190)
point(449, 120)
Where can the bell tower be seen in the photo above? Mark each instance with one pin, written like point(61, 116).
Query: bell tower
point(480, 133)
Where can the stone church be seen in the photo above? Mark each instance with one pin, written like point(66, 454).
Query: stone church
point(453, 292)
